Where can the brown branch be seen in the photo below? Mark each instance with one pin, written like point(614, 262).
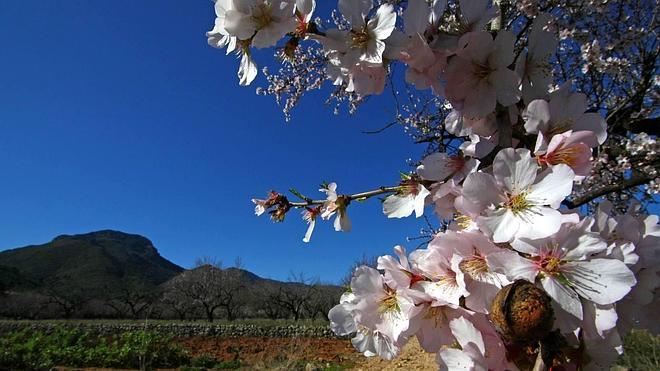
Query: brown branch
point(636, 180)
point(356, 196)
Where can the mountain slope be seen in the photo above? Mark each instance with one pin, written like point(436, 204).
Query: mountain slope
point(104, 260)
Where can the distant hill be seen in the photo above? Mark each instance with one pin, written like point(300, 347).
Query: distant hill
point(104, 261)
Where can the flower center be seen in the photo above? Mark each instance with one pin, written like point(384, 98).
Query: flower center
point(567, 155)
point(550, 265)
point(408, 187)
point(360, 39)
point(262, 15)
point(482, 72)
point(517, 203)
point(463, 221)
point(475, 266)
point(389, 304)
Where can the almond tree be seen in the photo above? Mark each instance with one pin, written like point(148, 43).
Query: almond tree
point(532, 112)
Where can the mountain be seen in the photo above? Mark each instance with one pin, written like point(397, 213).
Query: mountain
point(104, 261)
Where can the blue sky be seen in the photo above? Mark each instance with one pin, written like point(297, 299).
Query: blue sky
point(118, 115)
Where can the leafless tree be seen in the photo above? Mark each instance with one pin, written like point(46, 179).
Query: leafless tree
point(134, 299)
point(68, 298)
point(295, 295)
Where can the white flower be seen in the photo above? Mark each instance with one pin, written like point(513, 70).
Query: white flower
point(565, 111)
point(366, 39)
point(247, 70)
point(410, 197)
point(563, 265)
point(309, 215)
point(533, 65)
point(478, 76)
point(517, 202)
point(471, 356)
point(219, 37)
point(264, 22)
point(439, 167)
point(335, 205)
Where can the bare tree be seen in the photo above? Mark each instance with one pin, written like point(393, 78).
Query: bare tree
point(69, 299)
point(294, 296)
point(134, 299)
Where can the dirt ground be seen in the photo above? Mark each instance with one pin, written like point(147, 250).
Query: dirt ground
point(271, 353)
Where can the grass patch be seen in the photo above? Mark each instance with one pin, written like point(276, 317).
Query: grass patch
point(641, 351)
point(36, 350)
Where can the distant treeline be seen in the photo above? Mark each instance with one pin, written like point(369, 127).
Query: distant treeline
point(206, 292)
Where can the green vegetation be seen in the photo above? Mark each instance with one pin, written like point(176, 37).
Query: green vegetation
point(30, 350)
point(641, 351)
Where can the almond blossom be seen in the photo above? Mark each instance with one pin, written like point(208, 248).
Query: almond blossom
point(263, 22)
point(441, 166)
point(516, 201)
point(478, 76)
point(335, 204)
point(471, 355)
point(563, 266)
point(469, 254)
point(569, 148)
point(309, 215)
point(366, 39)
point(533, 63)
point(410, 197)
point(565, 111)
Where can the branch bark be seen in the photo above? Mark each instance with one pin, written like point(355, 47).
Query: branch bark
point(636, 180)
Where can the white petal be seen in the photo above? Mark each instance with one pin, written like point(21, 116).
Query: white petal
point(515, 169)
point(538, 222)
point(552, 186)
point(271, 34)
point(374, 51)
point(306, 7)
point(465, 332)
point(537, 116)
point(512, 265)
point(603, 281)
point(567, 299)
point(481, 189)
point(454, 359)
point(481, 101)
point(502, 55)
point(247, 70)
point(502, 225)
point(382, 24)
point(506, 83)
point(310, 229)
point(355, 11)
point(240, 25)
point(415, 17)
point(396, 206)
point(366, 281)
point(341, 320)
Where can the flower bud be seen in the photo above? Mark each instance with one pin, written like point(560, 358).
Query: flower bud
point(522, 313)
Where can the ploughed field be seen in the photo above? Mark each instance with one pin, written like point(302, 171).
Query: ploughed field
point(67, 345)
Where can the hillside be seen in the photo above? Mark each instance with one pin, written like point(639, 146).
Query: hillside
point(105, 260)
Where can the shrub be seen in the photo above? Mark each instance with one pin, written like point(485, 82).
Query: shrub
point(37, 350)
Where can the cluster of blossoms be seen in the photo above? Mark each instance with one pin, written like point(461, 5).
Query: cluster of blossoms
point(513, 269)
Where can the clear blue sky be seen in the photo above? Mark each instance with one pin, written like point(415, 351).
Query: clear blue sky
point(116, 114)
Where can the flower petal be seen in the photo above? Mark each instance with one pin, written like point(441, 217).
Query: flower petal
point(603, 281)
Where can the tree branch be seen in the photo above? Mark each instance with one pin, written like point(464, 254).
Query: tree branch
point(636, 180)
point(356, 196)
